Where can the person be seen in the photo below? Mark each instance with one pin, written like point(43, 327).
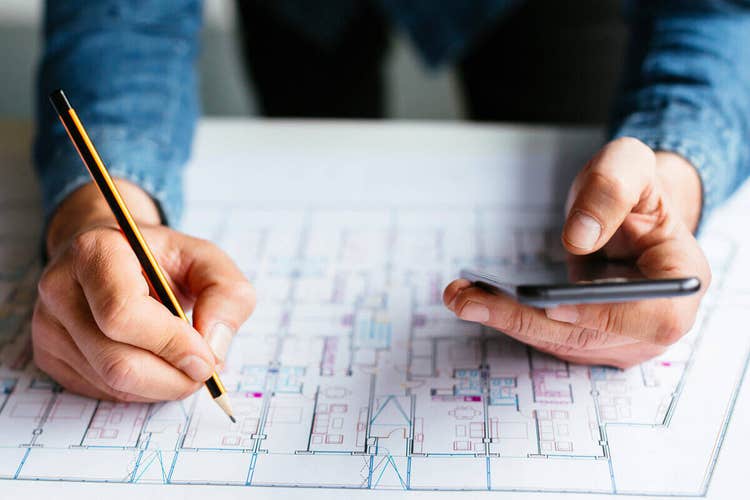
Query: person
point(677, 148)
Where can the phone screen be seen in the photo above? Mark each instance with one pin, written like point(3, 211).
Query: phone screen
point(576, 270)
point(576, 281)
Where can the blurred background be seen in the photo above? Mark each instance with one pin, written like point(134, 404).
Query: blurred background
point(413, 91)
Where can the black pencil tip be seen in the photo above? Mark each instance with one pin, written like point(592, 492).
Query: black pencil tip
point(232, 419)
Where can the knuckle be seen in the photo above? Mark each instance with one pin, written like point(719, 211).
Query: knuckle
point(671, 326)
point(610, 186)
point(118, 372)
point(245, 293)
point(171, 256)
point(85, 243)
point(611, 320)
point(52, 283)
point(89, 248)
point(39, 328)
point(581, 339)
point(169, 346)
point(46, 285)
point(519, 321)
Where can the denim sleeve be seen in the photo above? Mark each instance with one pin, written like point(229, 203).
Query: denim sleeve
point(687, 88)
point(128, 69)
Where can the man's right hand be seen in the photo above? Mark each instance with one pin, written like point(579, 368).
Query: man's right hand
point(98, 332)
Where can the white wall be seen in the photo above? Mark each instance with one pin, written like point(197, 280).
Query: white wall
point(414, 93)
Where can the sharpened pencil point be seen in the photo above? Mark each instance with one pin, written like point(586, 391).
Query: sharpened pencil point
point(223, 402)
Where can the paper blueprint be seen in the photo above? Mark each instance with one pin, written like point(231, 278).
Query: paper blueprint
point(352, 375)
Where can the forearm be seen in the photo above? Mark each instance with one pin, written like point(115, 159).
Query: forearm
point(687, 90)
point(128, 70)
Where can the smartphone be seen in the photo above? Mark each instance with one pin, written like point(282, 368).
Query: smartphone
point(578, 281)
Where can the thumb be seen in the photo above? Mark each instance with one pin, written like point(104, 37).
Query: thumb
point(619, 180)
point(224, 298)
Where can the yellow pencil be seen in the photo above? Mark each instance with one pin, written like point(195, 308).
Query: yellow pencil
point(151, 268)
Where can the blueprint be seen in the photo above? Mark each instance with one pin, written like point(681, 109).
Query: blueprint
point(351, 374)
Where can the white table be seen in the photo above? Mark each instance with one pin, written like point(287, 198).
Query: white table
point(369, 164)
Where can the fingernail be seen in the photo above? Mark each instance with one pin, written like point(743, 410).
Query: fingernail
point(565, 314)
point(476, 312)
point(583, 231)
point(195, 368)
point(219, 339)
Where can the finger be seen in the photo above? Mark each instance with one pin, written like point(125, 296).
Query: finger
point(50, 337)
point(54, 355)
point(122, 367)
point(73, 379)
point(451, 292)
point(659, 321)
point(623, 357)
point(224, 297)
point(527, 324)
point(110, 277)
point(617, 181)
point(65, 375)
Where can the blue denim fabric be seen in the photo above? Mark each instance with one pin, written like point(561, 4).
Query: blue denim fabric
point(128, 69)
point(687, 88)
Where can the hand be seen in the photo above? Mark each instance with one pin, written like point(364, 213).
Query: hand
point(629, 203)
point(98, 332)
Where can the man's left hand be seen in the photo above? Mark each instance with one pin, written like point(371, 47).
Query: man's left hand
point(628, 203)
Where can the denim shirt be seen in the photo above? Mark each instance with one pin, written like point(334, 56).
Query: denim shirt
point(128, 68)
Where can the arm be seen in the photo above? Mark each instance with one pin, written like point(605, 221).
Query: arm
point(96, 329)
point(687, 88)
point(687, 97)
point(128, 69)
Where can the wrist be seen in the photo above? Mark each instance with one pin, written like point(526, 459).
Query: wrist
point(86, 208)
point(681, 182)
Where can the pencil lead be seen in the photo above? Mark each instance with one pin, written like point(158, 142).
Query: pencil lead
point(223, 402)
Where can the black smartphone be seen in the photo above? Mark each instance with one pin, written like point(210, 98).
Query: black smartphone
point(578, 281)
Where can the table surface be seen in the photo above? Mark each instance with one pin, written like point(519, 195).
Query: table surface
point(315, 141)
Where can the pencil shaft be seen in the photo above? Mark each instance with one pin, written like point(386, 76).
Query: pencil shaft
point(106, 185)
point(153, 272)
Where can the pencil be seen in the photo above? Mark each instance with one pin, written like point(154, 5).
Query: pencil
point(151, 269)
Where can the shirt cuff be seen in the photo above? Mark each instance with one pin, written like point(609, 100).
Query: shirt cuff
point(704, 145)
point(140, 162)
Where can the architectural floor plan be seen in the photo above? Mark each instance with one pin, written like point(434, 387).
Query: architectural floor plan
point(352, 374)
